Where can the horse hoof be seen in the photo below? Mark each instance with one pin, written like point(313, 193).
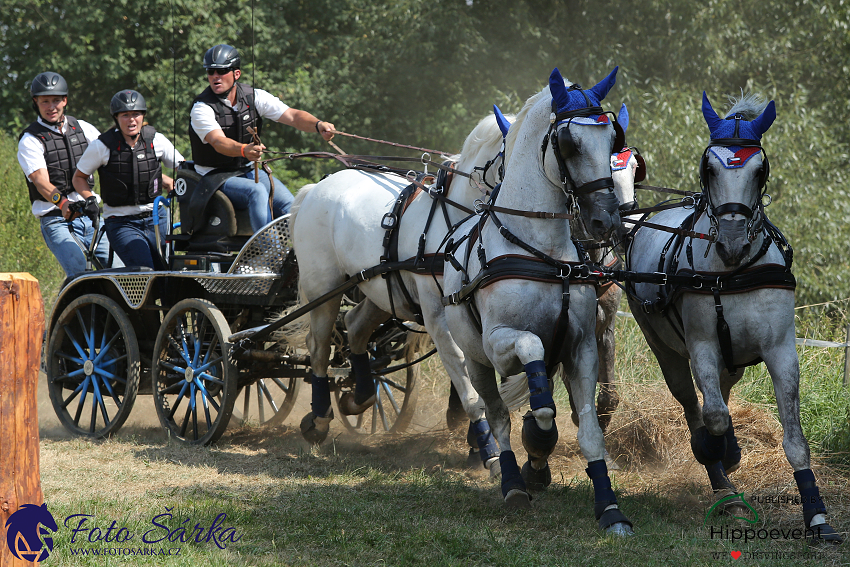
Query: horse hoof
point(536, 480)
point(455, 418)
point(315, 429)
point(823, 533)
point(473, 459)
point(519, 499)
point(347, 405)
point(494, 467)
point(574, 417)
point(620, 529)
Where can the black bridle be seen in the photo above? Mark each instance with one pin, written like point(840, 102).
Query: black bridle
point(753, 213)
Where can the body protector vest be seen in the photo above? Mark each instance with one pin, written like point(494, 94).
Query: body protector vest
point(234, 123)
point(61, 153)
point(133, 176)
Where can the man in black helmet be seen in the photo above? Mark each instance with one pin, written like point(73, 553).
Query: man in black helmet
point(127, 159)
point(48, 151)
point(221, 116)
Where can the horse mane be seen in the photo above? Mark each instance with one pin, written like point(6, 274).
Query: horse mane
point(749, 105)
point(523, 114)
point(485, 137)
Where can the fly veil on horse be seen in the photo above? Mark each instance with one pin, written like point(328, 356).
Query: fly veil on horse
point(728, 301)
point(346, 224)
point(515, 284)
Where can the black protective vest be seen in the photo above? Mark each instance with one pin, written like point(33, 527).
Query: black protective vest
point(133, 176)
point(234, 123)
point(61, 153)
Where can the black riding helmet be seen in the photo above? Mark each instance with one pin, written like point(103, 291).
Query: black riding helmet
point(222, 56)
point(48, 83)
point(125, 101)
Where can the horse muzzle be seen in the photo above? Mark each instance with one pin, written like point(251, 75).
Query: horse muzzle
point(733, 244)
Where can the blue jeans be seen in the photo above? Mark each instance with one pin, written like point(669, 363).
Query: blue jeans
point(244, 193)
point(134, 240)
point(54, 229)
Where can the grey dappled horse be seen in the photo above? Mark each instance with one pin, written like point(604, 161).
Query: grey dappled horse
point(727, 304)
point(557, 167)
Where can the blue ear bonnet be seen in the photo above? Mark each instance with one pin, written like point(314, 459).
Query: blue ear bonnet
point(623, 118)
point(564, 100)
point(747, 130)
point(503, 123)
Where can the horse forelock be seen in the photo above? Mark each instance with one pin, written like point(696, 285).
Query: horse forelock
point(749, 105)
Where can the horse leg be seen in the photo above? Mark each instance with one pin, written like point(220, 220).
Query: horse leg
point(732, 459)
point(539, 432)
point(514, 490)
point(455, 414)
point(607, 400)
point(360, 323)
point(784, 368)
point(315, 425)
point(481, 446)
point(581, 373)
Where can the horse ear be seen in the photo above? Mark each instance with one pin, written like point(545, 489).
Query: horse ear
point(557, 88)
point(601, 89)
point(762, 123)
point(503, 123)
point(623, 117)
point(710, 116)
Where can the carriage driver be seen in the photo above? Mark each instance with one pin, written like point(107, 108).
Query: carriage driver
point(48, 151)
point(128, 160)
point(221, 116)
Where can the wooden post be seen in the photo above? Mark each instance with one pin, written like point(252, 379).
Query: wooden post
point(21, 328)
point(846, 352)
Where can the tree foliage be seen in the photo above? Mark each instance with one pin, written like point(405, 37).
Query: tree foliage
point(423, 72)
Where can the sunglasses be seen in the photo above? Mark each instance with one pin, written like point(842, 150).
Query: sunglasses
point(218, 71)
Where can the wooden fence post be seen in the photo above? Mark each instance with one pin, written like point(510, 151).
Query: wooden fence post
point(846, 352)
point(21, 328)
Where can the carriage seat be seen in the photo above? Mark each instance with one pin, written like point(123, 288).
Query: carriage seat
point(208, 220)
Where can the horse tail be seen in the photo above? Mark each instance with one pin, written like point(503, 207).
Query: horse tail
point(296, 204)
point(514, 391)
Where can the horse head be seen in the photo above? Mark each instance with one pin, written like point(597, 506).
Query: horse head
point(627, 168)
point(583, 138)
point(733, 173)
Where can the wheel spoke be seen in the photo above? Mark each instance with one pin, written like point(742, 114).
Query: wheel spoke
point(73, 374)
point(99, 403)
point(179, 399)
point(109, 375)
point(382, 412)
point(206, 365)
point(112, 392)
point(261, 385)
point(69, 358)
point(246, 403)
point(182, 350)
point(186, 420)
point(210, 378)
point(84, 387)
point(104, 349)
point(174, 387)
point(75, 342)
point(390, 397)
point(167, 365)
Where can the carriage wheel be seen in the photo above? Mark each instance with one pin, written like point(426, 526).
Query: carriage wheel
point(268, 401)
point(396, 400)
point(93, 366)
point(193, 378)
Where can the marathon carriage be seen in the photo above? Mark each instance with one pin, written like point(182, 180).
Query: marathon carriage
point(116, 333)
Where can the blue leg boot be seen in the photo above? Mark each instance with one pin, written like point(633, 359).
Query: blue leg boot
point(513, 487)
point(316, 424)
point(605, 508)
point(814, 511)
point(364, 394)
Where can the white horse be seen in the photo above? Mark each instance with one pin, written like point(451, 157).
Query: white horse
point(506, 323)
point(728, 304)
point(337, 233)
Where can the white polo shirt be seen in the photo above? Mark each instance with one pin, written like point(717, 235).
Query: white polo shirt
point(97, 155)
point(203, 117)
point(31, 159)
